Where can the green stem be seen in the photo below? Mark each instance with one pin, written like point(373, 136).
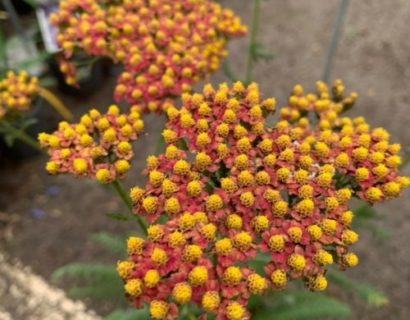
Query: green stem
point(337, 31)
point(7, 128)
point(252, 41)
point(119, 188)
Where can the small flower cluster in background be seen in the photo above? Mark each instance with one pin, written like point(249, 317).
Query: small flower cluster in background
point(17, 92)
point(232, 189)
point(165, 46)
point(98, 147)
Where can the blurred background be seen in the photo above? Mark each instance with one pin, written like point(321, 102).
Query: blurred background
point(46, 222)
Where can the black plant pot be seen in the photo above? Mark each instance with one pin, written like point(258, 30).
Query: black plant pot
point(91, 79)
point(21, 7)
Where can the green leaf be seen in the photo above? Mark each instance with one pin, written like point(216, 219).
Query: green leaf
point(365, 212)
point(118, 216)
point(82, 270)
point(369, 294)
point(38, 59)
point(181, 144)
point(108, 290)
point(259, 262)
point(9, 139)
point(110, 242)
point(160, 145)
point(260, 52)
point(302, 305)
point(27, 123)
point(141, 314)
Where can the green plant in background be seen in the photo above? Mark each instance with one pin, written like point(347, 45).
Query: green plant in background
point(19, 94)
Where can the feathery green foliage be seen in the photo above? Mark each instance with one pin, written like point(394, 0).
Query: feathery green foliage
point(369, 294)
point(302, 305)
point(141, 314)
point(112, 243)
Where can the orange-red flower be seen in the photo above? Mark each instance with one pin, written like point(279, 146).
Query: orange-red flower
point(165, 46)
point(98, 147)
point(231, 188)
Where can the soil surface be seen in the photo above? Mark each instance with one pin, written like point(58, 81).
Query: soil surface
point(49, 219)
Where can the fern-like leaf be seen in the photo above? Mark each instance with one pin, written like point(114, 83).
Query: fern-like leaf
point(303, 305)
point(89, 271)
point(369, 294)
point(120, 314)
point(110, 242)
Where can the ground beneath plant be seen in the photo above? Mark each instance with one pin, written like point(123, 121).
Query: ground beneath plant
point(46, 221)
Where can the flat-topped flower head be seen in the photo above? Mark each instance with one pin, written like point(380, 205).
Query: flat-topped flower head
point(97, 147)
point(17, 92)
point(228, 187)
point(165, 46)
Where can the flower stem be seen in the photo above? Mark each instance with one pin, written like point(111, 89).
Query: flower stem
point(119, 188)
point(337, 30)
point(7, 128)
point(252, 41)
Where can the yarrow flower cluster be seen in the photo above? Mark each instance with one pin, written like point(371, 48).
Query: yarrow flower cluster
point(98, 147)
point(17, 92)
point(165, 46)
point(244, 189)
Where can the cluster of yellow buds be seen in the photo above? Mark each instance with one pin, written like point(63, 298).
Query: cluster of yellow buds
point(229, 188)
point(17, 92)
point(165, 46)
point(98, 147)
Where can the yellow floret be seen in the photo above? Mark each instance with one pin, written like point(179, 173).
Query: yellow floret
point(329, 225)
point(276, 242)
point(198, 276)
point(242, 240)
point(182, 292)
point(392, 189)
point(233, 221)
point(133, 287)
point(103, 176)
point(124, 268)
point(122, 166)
point(52, 167)
point(158, 309)
point(150, 204)
point(319, 283)
point(159, 257)
point(297, 262)
point(210, 301)
point(323, 258)
point(256, 283)
point(315, 232)
point(278, 278)
point(350, 260)
point(247, 199)
point(295, 233)
point(155, 232)
point(260, 223)
point(176, 239)
point(80, 165)
point(283, 174)
point(192, 253)
point(305, 207)
point(232, 276)
point(181, 168)
point(151, 278)
point(223, 247)
point(280, 208)
point(349, 237)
